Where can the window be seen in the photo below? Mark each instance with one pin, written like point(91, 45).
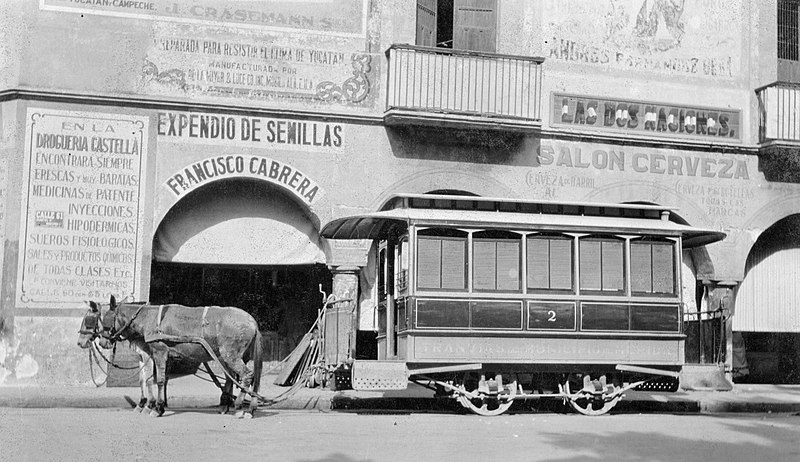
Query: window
point(549, 260)
point(401, 278)
point(602, 264)
point(788, 39)
point(652, 267)
point(382, 274)
point(442, 259)
point(459, 24)
point(496, 261)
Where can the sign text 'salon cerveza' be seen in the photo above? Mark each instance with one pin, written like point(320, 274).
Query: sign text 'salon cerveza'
point(649, 119)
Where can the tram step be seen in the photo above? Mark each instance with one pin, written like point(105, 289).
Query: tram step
point(380, 375)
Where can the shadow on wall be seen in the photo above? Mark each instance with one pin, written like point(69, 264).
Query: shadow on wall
point(471, 146)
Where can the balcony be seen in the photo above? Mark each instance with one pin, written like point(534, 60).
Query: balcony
point(439, 87)
point(779, 113)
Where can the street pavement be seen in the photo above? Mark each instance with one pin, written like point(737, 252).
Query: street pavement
point(195, 392)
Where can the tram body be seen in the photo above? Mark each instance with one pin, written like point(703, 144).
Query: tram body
point(492, 300)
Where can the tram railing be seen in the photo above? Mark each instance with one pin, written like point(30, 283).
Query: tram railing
point(705, 336)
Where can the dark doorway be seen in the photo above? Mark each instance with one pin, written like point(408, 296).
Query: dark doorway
point(284, 300)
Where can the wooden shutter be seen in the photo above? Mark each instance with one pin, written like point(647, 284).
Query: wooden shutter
point(663, 268)
point(590, 265)
point(475, 25)
point(429, 263)
point(538, 263)
point(508, 265)
point(454, 264)
point(561, 264)
point(613, 266)
point(426, 23)
point(485, 265)
point(641, 267)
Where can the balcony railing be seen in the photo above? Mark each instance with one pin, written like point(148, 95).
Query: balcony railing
point(471, 87)
point(779, 112)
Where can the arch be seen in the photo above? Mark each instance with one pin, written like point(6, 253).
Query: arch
point(297, 185)
point(768, 299)
point(238, 221)
point(444, 180)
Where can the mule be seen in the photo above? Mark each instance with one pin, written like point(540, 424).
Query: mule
point(177, 332)
point(91, 329)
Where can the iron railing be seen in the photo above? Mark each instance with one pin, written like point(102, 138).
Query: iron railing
point(441, 80)
point(779, 112)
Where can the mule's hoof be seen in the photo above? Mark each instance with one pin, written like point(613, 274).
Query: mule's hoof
point(239, 414)
point(138, 409)
point(154, 413)
point(247, 416)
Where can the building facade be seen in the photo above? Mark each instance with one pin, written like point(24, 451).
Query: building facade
point(190, 151)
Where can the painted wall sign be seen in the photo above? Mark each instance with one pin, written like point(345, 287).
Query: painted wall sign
point(347, 18)
point(687, 37)
point(81, 224)
point(239, 166)
point(720, 187)
point(246, 131)
point(645, 118)
point(258, 67)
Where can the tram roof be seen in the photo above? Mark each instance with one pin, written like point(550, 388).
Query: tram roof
point(473, 211)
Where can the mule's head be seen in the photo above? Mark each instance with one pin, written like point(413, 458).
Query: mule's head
point(91, 327)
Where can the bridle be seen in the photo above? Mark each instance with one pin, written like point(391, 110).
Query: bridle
point(110, 330)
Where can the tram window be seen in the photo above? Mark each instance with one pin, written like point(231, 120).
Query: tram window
point(604, 317)
point(652, 267)
point(496, 261)
point(382, 275)
point(549, 260)
point(602, 265)
point(441, 259)
point(401, 278)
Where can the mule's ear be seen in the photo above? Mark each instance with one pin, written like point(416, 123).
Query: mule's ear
point(93, 306)
point(113, 302)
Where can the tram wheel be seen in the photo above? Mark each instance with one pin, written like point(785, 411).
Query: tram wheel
point(487, 404)
point(596, 397)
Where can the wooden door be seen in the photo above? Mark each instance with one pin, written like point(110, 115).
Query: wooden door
point(475, 25)
point(426, 23)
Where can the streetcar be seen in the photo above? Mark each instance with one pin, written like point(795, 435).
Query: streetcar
point(491, 300)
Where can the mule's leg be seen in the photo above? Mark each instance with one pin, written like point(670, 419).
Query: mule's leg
point(235, 362)
point(160, 353)
point(151, 373)
point(143, 389)
point(226, 398)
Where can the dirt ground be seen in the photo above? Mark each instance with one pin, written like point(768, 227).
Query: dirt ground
point(199, 435)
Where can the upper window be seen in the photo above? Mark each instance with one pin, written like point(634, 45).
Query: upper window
point(653, 267)
point(458, 24)
point(401, 276)
point(549, 263)
point(442, 259)
point(496, 261)
point(602, 266)
point(788, 38)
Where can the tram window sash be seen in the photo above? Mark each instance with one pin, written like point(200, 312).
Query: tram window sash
point(401, 265)
point(602, 265)
point(550, 263)
point(382, 272)
point(653, 271)
point(441, 262)
point(496, 261)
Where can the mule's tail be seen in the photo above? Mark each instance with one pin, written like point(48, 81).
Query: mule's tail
point(258, 361)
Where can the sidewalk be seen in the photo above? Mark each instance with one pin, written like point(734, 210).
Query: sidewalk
point(193, 392)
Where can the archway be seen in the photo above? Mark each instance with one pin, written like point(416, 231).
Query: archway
point(243, 243)
point(767, 315)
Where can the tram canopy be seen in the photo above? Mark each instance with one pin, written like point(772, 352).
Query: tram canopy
point(476, 212)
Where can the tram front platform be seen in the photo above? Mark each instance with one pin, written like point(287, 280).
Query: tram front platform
point(193, 392)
